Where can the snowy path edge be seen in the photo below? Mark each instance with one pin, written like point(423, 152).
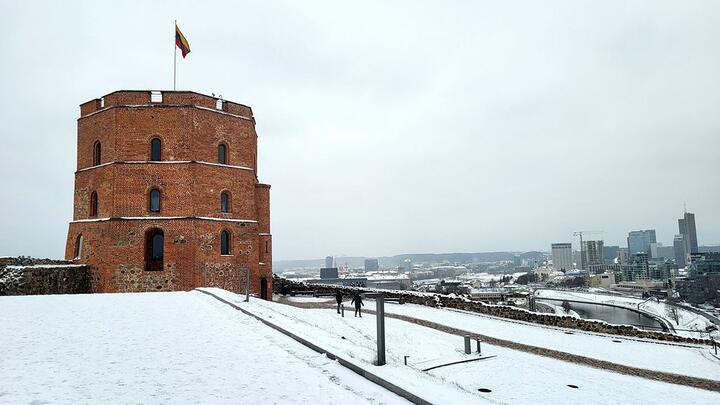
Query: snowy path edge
point(345, 363)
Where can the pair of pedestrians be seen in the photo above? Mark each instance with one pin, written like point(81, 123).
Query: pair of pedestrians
point(357, 300)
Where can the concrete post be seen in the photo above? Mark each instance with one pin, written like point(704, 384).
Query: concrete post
point(467, 345)
point(247, 284)
point(380, 316)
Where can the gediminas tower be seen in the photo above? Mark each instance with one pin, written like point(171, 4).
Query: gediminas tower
point(167, 195)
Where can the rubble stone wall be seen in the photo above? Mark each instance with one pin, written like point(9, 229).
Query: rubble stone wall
point(503, 311)
point(24, 276)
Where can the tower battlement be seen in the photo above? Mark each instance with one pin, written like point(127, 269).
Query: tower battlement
point(163, 98)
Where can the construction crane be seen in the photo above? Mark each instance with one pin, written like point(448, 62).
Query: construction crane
point(580, 234)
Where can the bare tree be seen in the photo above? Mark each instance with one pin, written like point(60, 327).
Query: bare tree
point(671, 310)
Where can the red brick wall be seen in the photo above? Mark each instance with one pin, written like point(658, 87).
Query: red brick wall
point(190, 188)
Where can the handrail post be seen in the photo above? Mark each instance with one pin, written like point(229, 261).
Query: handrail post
point(247, 284)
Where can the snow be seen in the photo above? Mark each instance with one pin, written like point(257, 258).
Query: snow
point(164, 162)
point(150, 218)
point(43, 266)
point(688, 360)
point(183, 347)
point(223, 112)
point(513, 376)
point(309, 299)
point(164, 105)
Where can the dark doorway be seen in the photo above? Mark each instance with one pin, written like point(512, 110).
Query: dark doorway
point(263, 288)
point(154, 249)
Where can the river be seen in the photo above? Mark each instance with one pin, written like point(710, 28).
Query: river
point(610, 314)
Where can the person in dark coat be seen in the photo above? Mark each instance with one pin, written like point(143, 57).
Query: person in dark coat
point(338, 298)
point(357, 299)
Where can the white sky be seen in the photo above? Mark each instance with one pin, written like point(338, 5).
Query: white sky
point(393, 127)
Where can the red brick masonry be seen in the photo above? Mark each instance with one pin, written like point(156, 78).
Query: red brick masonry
point(190, 126)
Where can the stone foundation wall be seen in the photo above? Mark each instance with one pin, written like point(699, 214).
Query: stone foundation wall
point(503, 311)
point(25, 276)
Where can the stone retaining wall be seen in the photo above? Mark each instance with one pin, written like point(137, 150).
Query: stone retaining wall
point(503, 311)
point(27, 276)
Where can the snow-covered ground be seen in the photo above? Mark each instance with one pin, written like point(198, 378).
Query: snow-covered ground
point(512, 376)
point(690, 360)
point(686, 323)
point(183, 347)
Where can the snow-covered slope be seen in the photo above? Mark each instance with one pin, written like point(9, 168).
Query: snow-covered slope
point(160, 348)
point(512, 376)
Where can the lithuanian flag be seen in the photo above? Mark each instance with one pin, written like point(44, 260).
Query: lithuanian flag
point(181, 42)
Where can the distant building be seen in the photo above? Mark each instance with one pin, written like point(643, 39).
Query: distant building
point(329, 262)
point(663, 271)
point(704, 263)
point(686, 227)
point(328, 272)
point(603, 280)
point(371, 265)
point(639, 241)
point(623, 255)
point(653, 253)
point(703, 281)
point(637, 268)
point(593, 252)
point(408, 265)
point(680, 246)
point(562, 256)
point(610, 254)
point(666, 252)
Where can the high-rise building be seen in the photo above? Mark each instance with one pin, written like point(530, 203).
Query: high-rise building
point(592, 252)
point(639, 241)
point(329, 262)
point(610, 253)
point(681, 250)
point(623, 256)
point(371, 265)
point(686, 226)
point(562, 256)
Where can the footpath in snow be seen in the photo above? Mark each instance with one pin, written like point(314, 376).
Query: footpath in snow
point(511, 376)
point(690, 360)
point(183, 347)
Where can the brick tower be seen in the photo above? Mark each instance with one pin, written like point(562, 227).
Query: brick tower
point(167, 196)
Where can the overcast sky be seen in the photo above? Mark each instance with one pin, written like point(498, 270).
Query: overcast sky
point(393, 127)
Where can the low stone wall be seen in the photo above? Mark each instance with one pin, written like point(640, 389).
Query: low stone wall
point(27, 276)
point(503, 311)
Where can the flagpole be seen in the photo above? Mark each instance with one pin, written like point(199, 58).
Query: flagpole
point(175, 57)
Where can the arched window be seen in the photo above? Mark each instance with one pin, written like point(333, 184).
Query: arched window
point(78, 246)
point(154, 249)
point(97, 153)
point(93, 204)
point(222, 154)
point(224, 243)
point(224, 201)
point(154, 200)
point(155, 145)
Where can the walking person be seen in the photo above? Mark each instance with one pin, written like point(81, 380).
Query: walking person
point(338, 298)
point(357, 299)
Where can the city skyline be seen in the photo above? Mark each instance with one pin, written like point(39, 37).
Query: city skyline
point(399, 132)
